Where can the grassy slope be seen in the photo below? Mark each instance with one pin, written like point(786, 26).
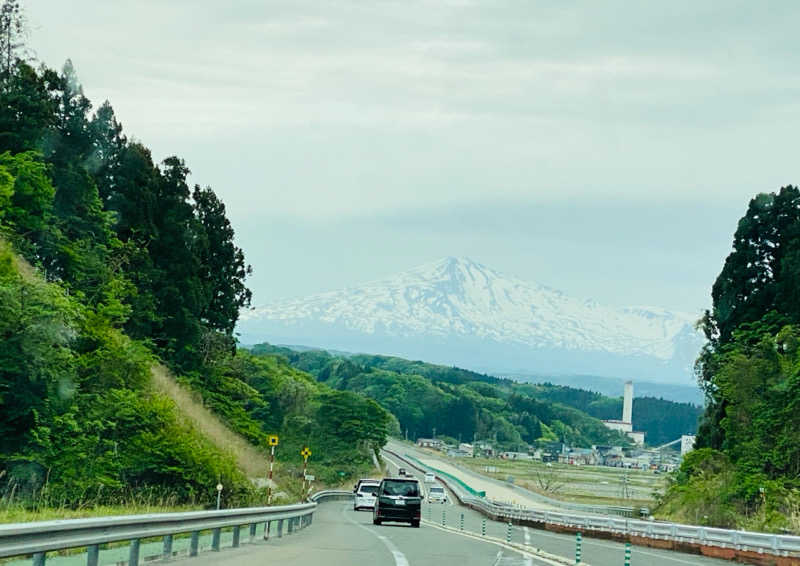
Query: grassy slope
point(248, 458)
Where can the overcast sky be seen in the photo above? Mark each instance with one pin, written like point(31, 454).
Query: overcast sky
point(606, 149)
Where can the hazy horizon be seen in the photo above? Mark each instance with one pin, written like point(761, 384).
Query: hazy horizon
point(606, 150)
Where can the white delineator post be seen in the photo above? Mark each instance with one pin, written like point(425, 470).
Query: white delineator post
point(627, 403)
point(269, 483)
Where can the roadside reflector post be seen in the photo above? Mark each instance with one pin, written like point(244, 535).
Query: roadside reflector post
point(166, 554)
point(461, 526)
point(305, 453)
point(578, 548)
point(483, 527)
point(508, 533)
point(444, 517)
point(93, 555)
point(627, 554)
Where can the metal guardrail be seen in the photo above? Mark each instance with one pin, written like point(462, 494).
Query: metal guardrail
point(779, 545)
point(38, 538)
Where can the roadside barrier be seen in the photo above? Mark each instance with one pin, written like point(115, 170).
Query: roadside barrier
point(38, 538)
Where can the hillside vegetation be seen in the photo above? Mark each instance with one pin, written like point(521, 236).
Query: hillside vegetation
point(746, 472)
point(115, 275)
point(467, 404)
point(457, 403)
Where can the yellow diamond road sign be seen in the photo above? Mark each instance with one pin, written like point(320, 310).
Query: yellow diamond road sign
point(273, 440)
point(305, 452)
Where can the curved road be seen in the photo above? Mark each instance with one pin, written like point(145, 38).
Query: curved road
point(340, 536)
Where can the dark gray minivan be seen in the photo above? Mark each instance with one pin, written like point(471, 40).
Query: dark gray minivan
point(399, 500)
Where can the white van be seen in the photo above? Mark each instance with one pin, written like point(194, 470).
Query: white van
point(429, 477)
point(437, 494)
point(365, 494)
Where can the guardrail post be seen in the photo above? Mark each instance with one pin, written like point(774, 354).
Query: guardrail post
point(215, 534)
point(167, 552)
point(268, 529)
point(195, 544)
point(290, 526)
point(578, 548)
point(253, 532)
point(280, 528)
point(93, 555)
point(39, 558)
point(236, 536)
point(133, 555)
point(627, 554)
point(310, 518)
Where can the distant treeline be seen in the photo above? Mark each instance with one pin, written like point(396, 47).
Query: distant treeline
point(464, 404)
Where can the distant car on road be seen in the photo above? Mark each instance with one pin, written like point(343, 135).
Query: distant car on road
point(365, 494)
point(401, 471)
point(398, 499)
point(437, 494)
point(429, 477)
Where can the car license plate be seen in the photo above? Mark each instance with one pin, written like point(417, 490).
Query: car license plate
point(401, 502)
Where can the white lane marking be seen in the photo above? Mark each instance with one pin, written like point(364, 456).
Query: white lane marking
point(498, 558)
point(399, 557)
point(527, 533)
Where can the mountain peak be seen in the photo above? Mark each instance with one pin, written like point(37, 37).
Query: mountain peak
point(457, 300)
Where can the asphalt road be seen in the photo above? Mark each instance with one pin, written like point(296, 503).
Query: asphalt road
point(595, 552)
point(341, 536)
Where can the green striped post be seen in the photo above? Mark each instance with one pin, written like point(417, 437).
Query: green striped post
point(444, 517)
point(578, 548)
point(461, 527)
point(483, 527)
point(627, 554)
point(508, 533)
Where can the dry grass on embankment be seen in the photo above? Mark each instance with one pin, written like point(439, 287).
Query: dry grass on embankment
point(252, 462)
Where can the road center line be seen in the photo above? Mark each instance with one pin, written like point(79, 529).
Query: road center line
point(399, 558)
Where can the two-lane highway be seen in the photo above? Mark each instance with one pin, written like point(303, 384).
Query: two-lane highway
point(340, 536)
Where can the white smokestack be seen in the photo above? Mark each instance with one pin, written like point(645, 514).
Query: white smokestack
point(627, 403)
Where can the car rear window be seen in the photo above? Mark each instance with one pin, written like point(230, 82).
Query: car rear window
point(368, 489)
point(437, 489)
point(405, 488)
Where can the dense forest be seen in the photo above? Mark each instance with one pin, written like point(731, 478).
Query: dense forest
point(469, 405)
point(746, 471)
point(110, 264)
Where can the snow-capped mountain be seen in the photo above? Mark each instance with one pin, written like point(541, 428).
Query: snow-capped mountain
point(457, 311)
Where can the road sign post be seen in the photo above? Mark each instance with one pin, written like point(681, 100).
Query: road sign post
point(219, 495)
point(305, 453)
point(273, 442)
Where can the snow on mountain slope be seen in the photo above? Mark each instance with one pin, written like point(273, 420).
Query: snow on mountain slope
point(457, 298)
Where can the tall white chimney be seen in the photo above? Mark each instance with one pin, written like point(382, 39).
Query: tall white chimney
point(627, 403)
